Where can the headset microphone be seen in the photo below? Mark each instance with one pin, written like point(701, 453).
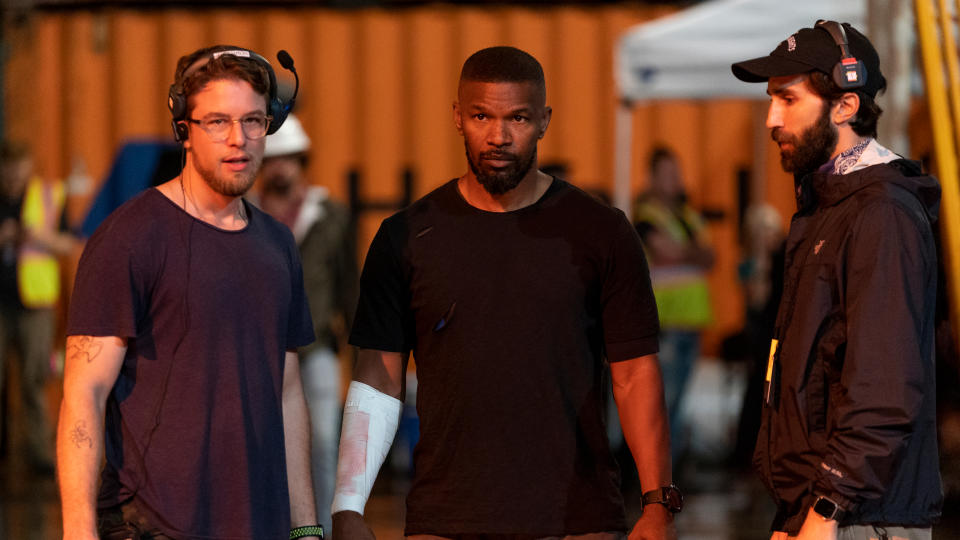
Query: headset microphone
point(287, 62)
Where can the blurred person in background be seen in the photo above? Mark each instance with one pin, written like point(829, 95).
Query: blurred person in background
point(848, 436)
point(677, 245)
point(515, 291)
point(181, 370)
point(325, 236)
point(761, 276)
point(33, 234)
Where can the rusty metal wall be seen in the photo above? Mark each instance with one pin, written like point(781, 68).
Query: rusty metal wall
point(376, 95)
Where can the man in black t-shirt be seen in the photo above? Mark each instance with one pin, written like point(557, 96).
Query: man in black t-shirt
point(513, 289)
point(181, 367)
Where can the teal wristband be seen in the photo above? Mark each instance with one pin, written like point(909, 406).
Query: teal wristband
point(307, 530)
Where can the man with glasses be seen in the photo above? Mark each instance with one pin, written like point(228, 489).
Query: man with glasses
point(187, 309)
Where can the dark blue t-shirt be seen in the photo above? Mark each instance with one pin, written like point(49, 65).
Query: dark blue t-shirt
point(194, 427)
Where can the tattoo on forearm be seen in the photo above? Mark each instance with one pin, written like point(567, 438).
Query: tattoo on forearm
point(84, 347)
point(79, 436)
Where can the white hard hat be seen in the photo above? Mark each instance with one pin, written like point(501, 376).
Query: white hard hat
point(289, 139)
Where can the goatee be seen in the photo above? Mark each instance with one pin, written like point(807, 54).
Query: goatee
point(235, 187)
point(812, 148)
point(500, 181)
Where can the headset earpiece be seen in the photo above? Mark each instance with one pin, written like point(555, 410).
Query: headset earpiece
point(849, 73)
point(180, 131)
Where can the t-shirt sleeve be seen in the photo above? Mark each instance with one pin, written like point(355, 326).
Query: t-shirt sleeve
point(299, 323)
point(109, 293)
point(630, 323)
point(383, 321)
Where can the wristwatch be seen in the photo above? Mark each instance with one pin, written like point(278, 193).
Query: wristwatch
point(827, 508)
point(669, 496)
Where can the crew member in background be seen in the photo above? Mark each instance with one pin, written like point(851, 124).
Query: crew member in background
point(325, 237)
point(675, 239)
point(33, 234)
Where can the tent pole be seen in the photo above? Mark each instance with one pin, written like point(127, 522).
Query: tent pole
point(622, 157)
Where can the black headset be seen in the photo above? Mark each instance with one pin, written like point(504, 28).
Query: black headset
point(177, 100)
point(849, 73)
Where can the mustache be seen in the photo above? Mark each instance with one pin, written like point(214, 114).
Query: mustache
point(498, 155)
point(779, 136)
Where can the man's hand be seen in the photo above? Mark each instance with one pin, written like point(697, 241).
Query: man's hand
point(656, 523)
point(348, 525)
point(815, 527)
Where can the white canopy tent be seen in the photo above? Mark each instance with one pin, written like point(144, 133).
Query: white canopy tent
point(687, 55)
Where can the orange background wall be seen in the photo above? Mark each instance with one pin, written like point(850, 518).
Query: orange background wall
point(376, 94)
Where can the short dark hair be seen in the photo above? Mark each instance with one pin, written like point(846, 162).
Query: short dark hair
point(660, 153)
point(504, 64)
point(225, 66)
point(865, 121)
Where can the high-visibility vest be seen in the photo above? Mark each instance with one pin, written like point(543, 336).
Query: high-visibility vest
point(681, 293)
point(38, 272)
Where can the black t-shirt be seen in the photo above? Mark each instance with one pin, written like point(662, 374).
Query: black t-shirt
point(208, 315)
point(510, 316)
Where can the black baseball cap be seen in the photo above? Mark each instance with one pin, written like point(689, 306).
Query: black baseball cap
point(811, 49)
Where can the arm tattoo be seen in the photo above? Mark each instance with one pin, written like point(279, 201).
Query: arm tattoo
point(84, 347)
point(79, 436)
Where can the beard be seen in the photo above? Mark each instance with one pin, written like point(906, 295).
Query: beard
point(229, 184)
point(812, 148)
point(500, 181)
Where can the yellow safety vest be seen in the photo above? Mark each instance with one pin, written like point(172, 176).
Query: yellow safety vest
point(38, 272)
point(682, 296)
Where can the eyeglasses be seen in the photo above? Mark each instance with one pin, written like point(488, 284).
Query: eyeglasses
point(218, 127)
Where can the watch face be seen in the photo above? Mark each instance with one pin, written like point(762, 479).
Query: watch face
point(825, 507)
point(673, 498)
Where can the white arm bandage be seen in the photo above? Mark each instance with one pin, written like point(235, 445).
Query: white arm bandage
point(370, 420)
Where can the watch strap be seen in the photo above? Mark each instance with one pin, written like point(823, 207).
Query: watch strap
point(828, 509)
point(669, 496)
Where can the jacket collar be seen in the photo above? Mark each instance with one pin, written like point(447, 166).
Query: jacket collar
point(842, 175)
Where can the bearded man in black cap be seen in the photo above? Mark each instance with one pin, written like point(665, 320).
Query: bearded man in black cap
point(848, 443)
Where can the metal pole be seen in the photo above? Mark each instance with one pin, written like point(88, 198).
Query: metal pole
point(946, 150)
point(950, 52)
point(622, 158)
